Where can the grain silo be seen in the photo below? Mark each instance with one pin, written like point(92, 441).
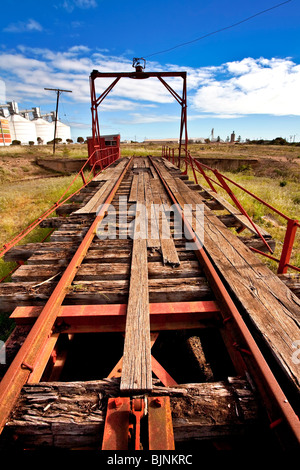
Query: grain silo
point(5, 137)
point(22, 129)
point(63, 131)
point(44, 130)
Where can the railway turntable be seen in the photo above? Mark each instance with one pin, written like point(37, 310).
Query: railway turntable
point(145, 323)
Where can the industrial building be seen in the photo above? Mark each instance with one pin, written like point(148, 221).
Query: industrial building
point(29, 125)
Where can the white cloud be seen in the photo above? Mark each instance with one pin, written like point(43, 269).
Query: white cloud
point(139, 118)
point(85, 3)
point(71, 69)
point(69, 5)
point(233, 89)
point(22, 27)
point(252, 86)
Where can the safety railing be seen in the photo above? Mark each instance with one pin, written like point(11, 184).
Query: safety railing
point(215, 180)
point(103, 157)
point(101, 163)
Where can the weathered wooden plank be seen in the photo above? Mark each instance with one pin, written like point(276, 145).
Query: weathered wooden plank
point(195, 346)
point(67, 209)
point(153, 240)
point(136, 371)
point(66, 236)
point(169, 252)
point(14, 294)
point(72, 415)
point(258, 244)
point(23, 252)
point(134, 188)
point(98, 271)
point(109, 177)
point(236, 213)
point(113, 170)
point(92, 256)
point(98, 198)
point(292, 281)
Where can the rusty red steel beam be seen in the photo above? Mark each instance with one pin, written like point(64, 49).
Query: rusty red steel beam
point(229, 309)
point(160, 426)
point(112, 317)
point(102, 311)
point(124, 423)
point(240, 207)
point(141, 75)
point(116, 429)
point(162, 374)
point(24, 362)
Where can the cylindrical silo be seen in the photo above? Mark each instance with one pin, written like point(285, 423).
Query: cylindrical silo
point(44, 130)
point(22, 129)
point(63, 131)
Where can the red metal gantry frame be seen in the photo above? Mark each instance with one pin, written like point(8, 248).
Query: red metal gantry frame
point(137, 75)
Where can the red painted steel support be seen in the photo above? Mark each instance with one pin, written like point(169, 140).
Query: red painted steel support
point(182, 100)
point(287, 248)
point(114, 315)
point(193, 169)
point(25, 360)
point(138, 411)
point(207, 179)
point(240, 207)
point(162, 374)
point(116, 429)
point(266, 378)
point(83, 177)
point(160, 428)
point(124, 421)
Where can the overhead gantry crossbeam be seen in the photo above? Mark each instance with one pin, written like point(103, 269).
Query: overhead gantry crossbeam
point(138, 75)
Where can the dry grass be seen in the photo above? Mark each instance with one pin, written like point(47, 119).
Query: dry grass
point(22, 203)
point(40, 151)
point(285, 198)
point(220, 150)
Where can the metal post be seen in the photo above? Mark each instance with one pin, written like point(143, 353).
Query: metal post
point(55, 124)
point(240, 207)
point(58, 92)
point(288, 243)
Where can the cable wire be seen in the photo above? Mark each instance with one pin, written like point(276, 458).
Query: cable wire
point(219, 30)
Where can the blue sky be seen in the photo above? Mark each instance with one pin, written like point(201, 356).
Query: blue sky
point(245, 79)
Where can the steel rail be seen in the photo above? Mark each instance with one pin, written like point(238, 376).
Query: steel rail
point(229, 306)
point(28, 355)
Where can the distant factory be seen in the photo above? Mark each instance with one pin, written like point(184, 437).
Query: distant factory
point(29, 126)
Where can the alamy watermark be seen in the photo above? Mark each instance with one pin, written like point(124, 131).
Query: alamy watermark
point(151, 221)
point(296, 354)
point(2, 353)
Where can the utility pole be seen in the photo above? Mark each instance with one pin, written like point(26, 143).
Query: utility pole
point(58, 93)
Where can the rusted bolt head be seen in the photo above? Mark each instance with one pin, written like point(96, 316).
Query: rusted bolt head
point(116, 402)
point(157, 402)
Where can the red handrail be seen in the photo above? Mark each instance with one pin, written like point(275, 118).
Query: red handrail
point(7, 246)
point(292, 224)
